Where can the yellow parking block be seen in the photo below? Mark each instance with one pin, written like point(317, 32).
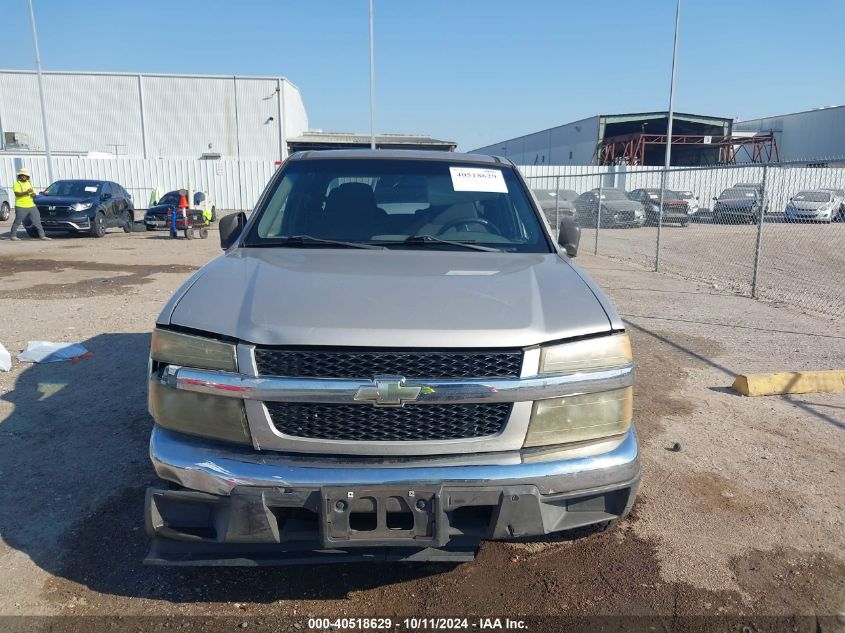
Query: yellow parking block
point(790, 382)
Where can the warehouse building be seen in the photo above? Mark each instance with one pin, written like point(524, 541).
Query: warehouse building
point(584, 142)
point(810, 135)
point(150, 116)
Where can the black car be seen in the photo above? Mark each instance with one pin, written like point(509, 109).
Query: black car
point(675, 208)
point(158, 216)
point(84, 206)
point(737, 205)
point(616, 208)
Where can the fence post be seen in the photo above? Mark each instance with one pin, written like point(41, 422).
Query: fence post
point(660, 219)
point(598, 216)
point(760, 220)
point(557, 204)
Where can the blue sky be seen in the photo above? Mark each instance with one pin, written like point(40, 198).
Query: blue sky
point(474, 71)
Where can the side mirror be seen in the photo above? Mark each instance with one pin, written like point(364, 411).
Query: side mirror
point(230, 229)
point(105, 196)
point(569, 234)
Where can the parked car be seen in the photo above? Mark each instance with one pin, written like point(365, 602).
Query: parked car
point(345, 383)
point(758, 187)
point(820, 205)
point(839, 194)
point(675, 209)
point(692, 200)
point(84, 206)
point(617, 209)
point(5, 204)
point(158, 216)
point(737, 205)
point(556, 203)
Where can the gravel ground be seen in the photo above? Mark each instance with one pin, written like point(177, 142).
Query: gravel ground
point(745, 520)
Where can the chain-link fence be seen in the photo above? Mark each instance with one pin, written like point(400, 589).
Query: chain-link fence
point(772, 231)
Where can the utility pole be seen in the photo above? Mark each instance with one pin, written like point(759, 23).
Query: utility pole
point(667, 162)
point(41, 94)
point(372, 83)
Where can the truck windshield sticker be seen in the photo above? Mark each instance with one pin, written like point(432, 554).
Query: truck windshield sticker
point(478, 179)
point(91, 189)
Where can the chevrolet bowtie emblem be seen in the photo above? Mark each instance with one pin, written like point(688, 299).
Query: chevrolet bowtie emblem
point(388, 391)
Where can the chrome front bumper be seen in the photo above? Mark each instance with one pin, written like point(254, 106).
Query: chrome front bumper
point(241, 507)
point(217, 469)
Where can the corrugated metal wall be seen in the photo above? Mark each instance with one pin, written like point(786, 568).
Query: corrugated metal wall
point(231, 184)
point(154, 116)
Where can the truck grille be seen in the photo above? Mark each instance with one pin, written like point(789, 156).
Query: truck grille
point(367, 363)
point(364, 423)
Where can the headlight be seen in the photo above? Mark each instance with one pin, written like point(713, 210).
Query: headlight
point(195, 413)
point(174, 348)
point(587, 416)
point(82, 206)
point(590, 354)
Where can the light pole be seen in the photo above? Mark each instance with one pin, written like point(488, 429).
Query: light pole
point(667, 162)
point(372, 83)
point(41, 94)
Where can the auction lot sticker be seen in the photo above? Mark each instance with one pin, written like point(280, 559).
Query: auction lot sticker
point(478, 179)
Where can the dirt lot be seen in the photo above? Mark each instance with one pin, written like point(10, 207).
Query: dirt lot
point(799, 264)
point(746, 519)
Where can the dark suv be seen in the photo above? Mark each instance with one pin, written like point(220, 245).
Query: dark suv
point(84, 206)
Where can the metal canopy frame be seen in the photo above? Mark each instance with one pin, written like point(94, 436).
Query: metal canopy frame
point(629, 149)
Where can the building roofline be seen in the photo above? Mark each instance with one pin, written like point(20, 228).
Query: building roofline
point(143, 74)
point(779, 116)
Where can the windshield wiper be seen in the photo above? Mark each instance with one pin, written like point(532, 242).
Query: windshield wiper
point(430, 239)
point(295, 240)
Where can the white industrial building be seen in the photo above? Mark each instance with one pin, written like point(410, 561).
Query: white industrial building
point(150, 116)
point(811, 135)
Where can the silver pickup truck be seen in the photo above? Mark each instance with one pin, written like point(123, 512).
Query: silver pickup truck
point(393, 359)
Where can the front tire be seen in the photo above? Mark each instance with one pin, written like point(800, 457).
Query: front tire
point(32, 231)
point(5, 211)
point(98, 224)
point(128, 222)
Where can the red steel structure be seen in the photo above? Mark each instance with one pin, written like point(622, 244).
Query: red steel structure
point(630, 149)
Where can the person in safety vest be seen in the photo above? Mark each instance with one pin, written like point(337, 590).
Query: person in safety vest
point(25, 206)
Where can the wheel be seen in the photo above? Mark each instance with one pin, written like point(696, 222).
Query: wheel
point(5, 212)
point(31, 231)
point(189, 233)
point(204, 233)
point(98, 225)
point(128, 223)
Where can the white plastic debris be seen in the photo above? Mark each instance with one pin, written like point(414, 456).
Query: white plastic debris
point(48, 352)
point(5, 359)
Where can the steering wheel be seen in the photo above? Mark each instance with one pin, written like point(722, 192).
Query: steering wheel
point(481, 221)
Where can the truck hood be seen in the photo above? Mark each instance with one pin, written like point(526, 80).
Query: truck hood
point(388, 298)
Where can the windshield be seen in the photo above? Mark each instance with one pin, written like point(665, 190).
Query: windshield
point(685, 195)
point(172, 197)
point(74, 188)
point(813, 196)
point(610, 194)
point(392, 202)
point(737, 194)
